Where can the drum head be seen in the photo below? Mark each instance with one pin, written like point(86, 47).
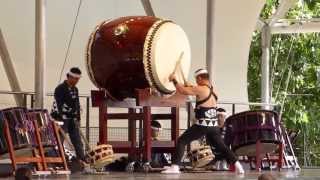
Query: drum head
point(166, 49)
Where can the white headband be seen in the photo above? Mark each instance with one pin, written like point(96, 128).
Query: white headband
point(202, 71)
point(155, 128)
point(74, 75)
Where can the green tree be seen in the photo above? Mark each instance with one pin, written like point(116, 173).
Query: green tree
point(295, 58)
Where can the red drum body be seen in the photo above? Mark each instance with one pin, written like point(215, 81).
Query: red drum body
point(246, 128)
point(136, 52)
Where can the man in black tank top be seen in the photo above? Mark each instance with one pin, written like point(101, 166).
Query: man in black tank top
point(206, 124)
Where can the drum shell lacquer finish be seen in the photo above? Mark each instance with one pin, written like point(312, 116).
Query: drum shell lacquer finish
point(244, 129)
point(115, 55)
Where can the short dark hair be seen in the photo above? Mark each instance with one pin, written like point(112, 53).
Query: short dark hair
point(155, 124)
point(74, 70)
point(266, 176)
point(23, 173)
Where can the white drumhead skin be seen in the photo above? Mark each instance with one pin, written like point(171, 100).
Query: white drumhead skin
point(168, 42)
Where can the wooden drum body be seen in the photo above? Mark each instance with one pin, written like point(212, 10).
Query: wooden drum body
point(245, 129)
point(201, 156)
point(136, 52)
point(101, 155)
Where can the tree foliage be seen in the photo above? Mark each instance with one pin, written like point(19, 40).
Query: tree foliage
point(295, 63)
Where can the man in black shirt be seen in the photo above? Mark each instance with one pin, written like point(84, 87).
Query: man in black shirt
point(66, 108)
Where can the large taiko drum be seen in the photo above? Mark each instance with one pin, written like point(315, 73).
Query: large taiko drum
point(246, 128)
point(137, 52)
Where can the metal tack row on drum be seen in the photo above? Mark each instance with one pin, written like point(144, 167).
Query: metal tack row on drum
point(137, 52)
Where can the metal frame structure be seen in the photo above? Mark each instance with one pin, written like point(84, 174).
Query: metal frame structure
point(275, 25)
point(9, 68)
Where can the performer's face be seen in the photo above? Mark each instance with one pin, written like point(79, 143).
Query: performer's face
point(155, 133)
point(73, 81)
point(199, 80)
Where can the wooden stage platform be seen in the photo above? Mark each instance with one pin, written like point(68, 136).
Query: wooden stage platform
point(304, 174)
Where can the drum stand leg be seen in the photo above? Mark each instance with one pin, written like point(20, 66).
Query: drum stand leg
point(147, 133)
point(60, 147)
point(280, 155)
point(10, 146)
point(258, 155)
point(40, 147)
point(132, 134)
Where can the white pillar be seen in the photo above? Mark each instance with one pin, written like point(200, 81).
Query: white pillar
point(265, 65)
point(40, 53)
point(209, 37)
point(9, 68)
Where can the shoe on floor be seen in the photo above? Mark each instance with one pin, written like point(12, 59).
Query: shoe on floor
point(224, 165)
point(238, 168)
point(174, 169)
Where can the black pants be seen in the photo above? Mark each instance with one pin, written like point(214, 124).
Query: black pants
point(214, 139)
point(72, 128)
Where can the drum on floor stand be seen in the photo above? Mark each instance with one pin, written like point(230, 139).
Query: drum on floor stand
point(246, 128)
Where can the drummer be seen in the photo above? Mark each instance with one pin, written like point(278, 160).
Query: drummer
point(206, 124)
point(67, 108)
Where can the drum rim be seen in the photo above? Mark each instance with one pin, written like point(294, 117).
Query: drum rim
point(253, 112)
point(147, 56)
point(88, 58)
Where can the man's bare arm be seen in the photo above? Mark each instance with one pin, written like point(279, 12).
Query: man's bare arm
point(186, 90)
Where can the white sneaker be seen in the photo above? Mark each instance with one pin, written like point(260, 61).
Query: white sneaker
point(224, 165)
point(218, 165)
point(173, 169)
point(239, 168)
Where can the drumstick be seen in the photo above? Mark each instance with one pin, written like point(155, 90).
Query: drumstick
point(85, 141)
point(65, 137)
point(183, 76)
point(178, 63)
point(178, 67)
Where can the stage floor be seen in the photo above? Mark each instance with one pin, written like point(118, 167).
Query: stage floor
point(284, 174)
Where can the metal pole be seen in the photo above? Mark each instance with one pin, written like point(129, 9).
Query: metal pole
point(9, 68)
point(147, 7)
point(210, 34)
point(233, 109)
point(40, 53)
point(304, 149)
point(87, 119)
point(265, 66)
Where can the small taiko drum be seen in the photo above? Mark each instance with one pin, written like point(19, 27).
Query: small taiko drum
point(201, 156)
point(137, 52)
point(101, 155)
